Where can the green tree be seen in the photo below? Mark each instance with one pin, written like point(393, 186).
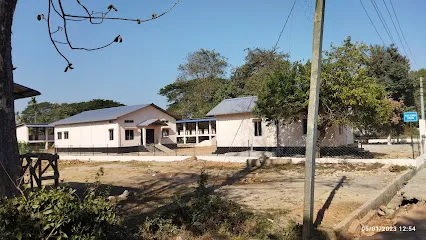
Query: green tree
point(348, 94)
point(195, 91)
point(391, 69)
point(248, 79)
point(203, 64)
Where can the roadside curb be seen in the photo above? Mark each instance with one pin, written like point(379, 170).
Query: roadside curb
point(382, 198)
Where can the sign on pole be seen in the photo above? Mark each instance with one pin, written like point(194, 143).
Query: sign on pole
point(411, 117)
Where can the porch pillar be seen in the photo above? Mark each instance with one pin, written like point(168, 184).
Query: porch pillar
point(46, 139)
point(210, 130)
point(160, 135)
point(143, 136)
point(196, 133)
point(184, 133)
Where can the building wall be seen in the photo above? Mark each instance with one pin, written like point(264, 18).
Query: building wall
point(87, 135)
point(237, 130)
point(142, 115)
point(96, 134)
point(22, 133)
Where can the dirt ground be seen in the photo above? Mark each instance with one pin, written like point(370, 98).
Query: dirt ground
point(393, 151)
point(275, 190)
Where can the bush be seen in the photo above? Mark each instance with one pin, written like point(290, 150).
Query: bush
point(23, 147)
point(59, 214)
point(206, 214)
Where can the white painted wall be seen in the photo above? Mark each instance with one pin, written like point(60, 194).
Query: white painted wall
point(237, 130)
point(142, 115)
point(22, 133)
point(96, 134)
point(87, 135)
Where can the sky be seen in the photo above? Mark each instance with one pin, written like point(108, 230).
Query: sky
point(133, 71)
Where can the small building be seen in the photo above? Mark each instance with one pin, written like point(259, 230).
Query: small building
point(201, 132)
point(129, 128)
point(239, 130)
point(36, 135)
point(20, 91)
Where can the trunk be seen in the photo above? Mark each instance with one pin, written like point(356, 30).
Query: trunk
point(322, 130)
point(9, 156)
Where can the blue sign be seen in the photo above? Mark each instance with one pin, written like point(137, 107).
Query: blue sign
point(411, 117)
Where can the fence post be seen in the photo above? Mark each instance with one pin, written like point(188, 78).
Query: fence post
point(93, 150)
point(138, 148)
point(248, 147)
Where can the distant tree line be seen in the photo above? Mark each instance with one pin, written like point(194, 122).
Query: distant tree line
point(47, 112)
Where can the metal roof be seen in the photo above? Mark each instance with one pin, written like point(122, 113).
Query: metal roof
point(20, 91)
point(100, 115)
point(196, 120)
point(151, 122)
point(233, 106)
point(34, 125)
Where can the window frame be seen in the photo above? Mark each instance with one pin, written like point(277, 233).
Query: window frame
point(66, 135)
point(304, 126)
point(59, 135)
point(129, 137)
point(129, 121)
point(165, 130)
point(111, 134)
point(257, 127)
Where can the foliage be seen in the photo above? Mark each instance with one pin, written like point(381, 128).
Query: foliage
point(391, 70)
point(206, 214)
point(50, 112)
point(203, 64)
point(24, 147)
point(348, 95)
point(59, 214)
point(193, 98)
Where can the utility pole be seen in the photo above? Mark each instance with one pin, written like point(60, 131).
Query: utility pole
point(422, 105)
point(422, 123)
point(311, 138)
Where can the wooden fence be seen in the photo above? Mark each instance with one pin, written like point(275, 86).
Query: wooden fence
point(37, 164)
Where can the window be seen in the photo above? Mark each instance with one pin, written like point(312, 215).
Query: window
point(128, 121)
point(129, 134)
point(66, 135)
point(59, 135)
point(257, 128)
point(111, 121)
point(305, 126)
point(165, 133)
point(111, 134)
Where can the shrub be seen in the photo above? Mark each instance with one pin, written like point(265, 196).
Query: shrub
point(206, 214)
point(24, 147)
point(59, 214)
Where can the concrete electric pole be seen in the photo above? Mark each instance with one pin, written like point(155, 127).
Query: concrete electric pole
point(311, 139)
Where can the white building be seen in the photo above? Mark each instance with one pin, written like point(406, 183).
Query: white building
point(36, 135)
point(238, 129)
point(112, 129)
point(201, 132)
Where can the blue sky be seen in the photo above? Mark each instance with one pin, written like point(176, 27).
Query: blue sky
point(132, 72)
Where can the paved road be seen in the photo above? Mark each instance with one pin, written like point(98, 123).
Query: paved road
point(416, 188)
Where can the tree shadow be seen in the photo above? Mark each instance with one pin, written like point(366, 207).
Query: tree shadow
point(321, 212)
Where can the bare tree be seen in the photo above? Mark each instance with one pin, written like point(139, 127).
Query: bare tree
point(9, 155)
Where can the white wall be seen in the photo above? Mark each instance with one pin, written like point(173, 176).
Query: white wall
point(22, 133)
point(142, 115)
point(87, 135)
point(237, 130)
point(96, 134)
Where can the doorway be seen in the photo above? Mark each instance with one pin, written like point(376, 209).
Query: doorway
point(149, 136)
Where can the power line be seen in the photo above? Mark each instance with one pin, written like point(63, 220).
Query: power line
point(396, 29)
point(382, 19)
point(371, 21)
point(403, 36)
point(285, 24)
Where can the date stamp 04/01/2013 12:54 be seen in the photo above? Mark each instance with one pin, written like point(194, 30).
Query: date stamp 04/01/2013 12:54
point(388, 228)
